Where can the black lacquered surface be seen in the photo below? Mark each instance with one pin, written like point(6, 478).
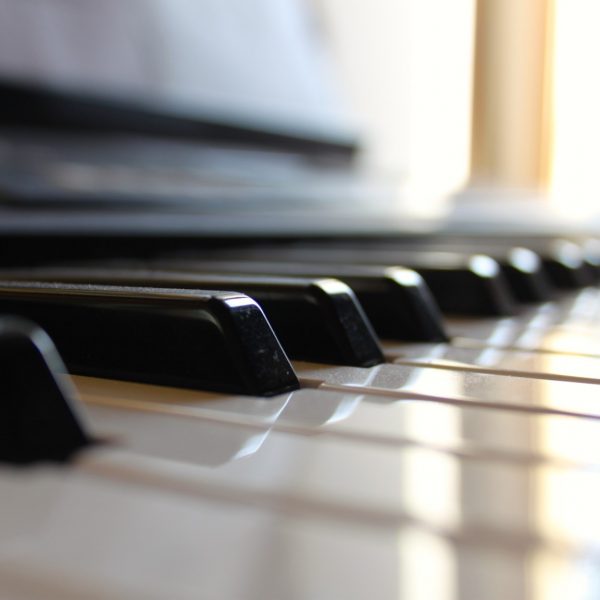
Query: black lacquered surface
point(315, 319)
point(522, 268)
point(465, 284)
point(39, 418)
point(202, 340)
point(461, 284)
point(567, 265)
point(396, 301)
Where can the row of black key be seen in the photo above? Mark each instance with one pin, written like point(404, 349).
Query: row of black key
point(154, 324)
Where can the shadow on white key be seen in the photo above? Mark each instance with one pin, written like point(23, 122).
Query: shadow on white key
point(180, 436)
point(191, 423)
point(215, 406)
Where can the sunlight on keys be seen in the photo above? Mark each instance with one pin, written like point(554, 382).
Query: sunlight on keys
point(431, 422)
point(444, 384)
point(427, 566)
point(586, 399)
point(586, 305)
point(555, 577)
point(566, 504)
point(572, 439)
point(430, 486)
point(568, 342)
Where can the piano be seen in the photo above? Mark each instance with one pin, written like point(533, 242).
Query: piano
point(232, 368)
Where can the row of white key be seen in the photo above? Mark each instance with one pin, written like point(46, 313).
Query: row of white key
point(353, 488)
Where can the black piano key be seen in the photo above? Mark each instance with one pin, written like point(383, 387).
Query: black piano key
point(525, 274)
point(396, 300)
point(39, 419)
point(522, 268)
point(568, 265)
point(591, 254)
point(399, 304)
point(318, 320)
point(460, 284)
point(475, 286)
point(202, 340)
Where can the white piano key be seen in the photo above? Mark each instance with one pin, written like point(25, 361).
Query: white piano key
point(213, 406)
point(554, 339)
point(568, 326)
point(465, 430)
point(527, 363)
point(499, 332)
point(99, 539)
point(112, 392)
point(76, 535)
point(461, 387)
point(334, 478)
point(315, 485)
point(360, 418)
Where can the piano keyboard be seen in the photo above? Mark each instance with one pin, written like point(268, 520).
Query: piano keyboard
point(458, 464)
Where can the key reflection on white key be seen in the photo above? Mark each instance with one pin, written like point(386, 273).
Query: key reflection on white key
point(357, 417)
point(336, 476)
point(380, 504)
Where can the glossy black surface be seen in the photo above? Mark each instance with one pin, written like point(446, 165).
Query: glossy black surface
point(566, 274)
point(460, 284)
point(525, 274)
point(202, 340)
point(567, 265)
point(522, 268)
point(318, 320)
point(396, 301)
point(470, 291)
point(39, 418)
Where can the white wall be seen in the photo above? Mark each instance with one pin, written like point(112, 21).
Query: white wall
point(407, 68)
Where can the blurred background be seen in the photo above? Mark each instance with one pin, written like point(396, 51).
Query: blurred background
point(492, 95)
point(486, 99)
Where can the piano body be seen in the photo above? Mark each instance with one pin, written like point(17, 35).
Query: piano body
point(401, 455)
